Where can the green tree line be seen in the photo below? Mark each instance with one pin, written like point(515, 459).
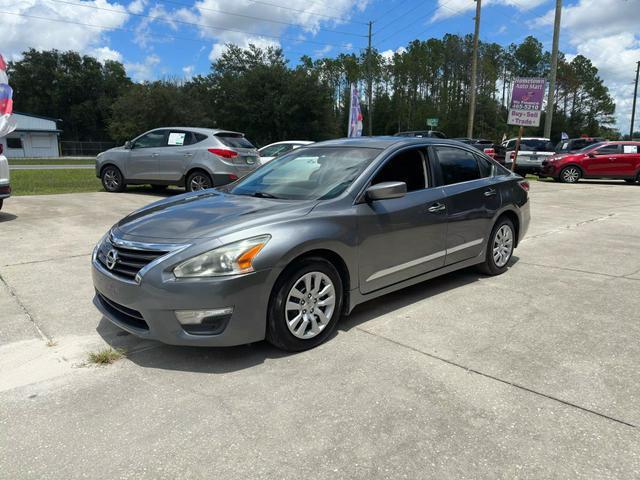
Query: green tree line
point(257, 92)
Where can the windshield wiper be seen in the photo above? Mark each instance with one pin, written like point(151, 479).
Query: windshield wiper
point(264, 195)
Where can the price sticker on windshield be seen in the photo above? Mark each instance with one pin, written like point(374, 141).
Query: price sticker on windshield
point(176, 139)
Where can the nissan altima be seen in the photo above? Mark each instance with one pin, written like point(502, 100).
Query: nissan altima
point(283, 253)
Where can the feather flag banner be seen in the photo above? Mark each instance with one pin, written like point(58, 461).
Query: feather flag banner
point(7, 125)
point(355, 114)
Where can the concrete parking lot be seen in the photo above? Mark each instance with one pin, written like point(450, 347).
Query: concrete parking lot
point(532, 374)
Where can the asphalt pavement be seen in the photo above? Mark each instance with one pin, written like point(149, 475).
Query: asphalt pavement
point(531, 374)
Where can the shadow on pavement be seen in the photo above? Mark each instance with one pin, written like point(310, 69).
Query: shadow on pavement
point(7, 217)
point(218, 360)
point(214, 360)
point(410, 295)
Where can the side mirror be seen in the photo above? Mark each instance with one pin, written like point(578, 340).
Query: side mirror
point(128, 145)
point(386, 191)
point(591, 155)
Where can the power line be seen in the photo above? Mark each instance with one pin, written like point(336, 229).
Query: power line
point(182, 22)
point(262, 19)
point(403, 29)
point(121, 29)
point(401, 16)
point(342, 19)
point(384, 14)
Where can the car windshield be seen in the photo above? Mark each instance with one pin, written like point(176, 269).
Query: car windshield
point(536, 145)
point(312, 173)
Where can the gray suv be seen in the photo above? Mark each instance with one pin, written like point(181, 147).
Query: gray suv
point(196, 158)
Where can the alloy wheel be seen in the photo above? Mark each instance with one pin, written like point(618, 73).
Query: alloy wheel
point(310, 305)
point(111, 180)
point(199, 182)
point(502, 246)
point(570, 175)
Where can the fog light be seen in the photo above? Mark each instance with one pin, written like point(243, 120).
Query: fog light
point(204, 322)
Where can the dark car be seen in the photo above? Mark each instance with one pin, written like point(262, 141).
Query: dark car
point(493, 150)
point(615, 160)
point(574, 144)
point(421, 134)
point(283, 253)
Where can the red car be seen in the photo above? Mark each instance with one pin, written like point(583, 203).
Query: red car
point(619, 160)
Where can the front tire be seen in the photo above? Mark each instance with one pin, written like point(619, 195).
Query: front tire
point(198, 180)
point(500, 248)
point(570, 174)
point(305, 305)
point(112, 179)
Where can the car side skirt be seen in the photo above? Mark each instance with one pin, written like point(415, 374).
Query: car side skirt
point(356, 297)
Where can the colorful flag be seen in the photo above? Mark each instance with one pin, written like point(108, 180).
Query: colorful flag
point(7, 124)
point(355, 114)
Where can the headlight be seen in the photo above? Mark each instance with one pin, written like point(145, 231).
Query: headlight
point(230, 259)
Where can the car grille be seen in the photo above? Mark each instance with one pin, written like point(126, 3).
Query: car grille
point(123, 314)
point(128, 261)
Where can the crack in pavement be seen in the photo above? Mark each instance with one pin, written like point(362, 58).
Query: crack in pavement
point(22, 306)
point(569, 227)
point(46, 260)
point(498, 379)
point(577, 270)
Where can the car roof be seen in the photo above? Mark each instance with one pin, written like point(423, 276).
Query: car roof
point(206, 131)
point(529, 138)
point(301, 142)
point(384, 142)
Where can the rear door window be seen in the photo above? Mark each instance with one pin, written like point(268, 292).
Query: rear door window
point(457, 165)
point(234, 140)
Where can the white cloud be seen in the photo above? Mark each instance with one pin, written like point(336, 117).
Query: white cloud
point(388, 54)
point(242, 41)
point(137, 6)
point(449, 8)
point(19, 33)
point(188, 71)
point(105, 53)
point(607, 33)
point(146, 70)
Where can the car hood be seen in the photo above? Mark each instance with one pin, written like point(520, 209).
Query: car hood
point(207, 214)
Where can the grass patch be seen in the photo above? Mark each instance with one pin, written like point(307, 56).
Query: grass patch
point(48, 182)
point(49, 161)
point(106, 356)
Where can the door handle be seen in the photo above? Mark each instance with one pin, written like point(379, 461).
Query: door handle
point(612, 158)
point(490, 193)
point(155, 154)
point(188, 154)
point(437, 207)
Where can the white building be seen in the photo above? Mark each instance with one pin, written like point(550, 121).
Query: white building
point(34, 136)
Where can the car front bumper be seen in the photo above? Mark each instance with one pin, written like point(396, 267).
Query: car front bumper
point(147, 309)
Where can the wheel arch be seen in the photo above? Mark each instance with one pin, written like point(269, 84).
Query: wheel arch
point(515, 219)
point(110, 163)
point(325, 254)
point(572, 164)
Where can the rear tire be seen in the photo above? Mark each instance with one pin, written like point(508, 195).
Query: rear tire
point(305, 305)
point(112, 179)
point(570, 174)
point(198, 180)
point(1, 202)
point(499, 248)
point(630, 180)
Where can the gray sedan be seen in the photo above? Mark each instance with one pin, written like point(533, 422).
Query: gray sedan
point(283, 253)
point(198, 158)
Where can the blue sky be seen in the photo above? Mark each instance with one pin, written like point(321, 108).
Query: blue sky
point(180, 38)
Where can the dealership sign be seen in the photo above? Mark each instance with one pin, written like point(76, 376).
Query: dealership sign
point(526, 101)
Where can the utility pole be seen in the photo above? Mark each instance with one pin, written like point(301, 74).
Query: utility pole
point(633, 108)
point(370, 83)
point(474, 72)
point(554, 69)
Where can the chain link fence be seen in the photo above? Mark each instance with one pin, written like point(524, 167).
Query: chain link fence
point(83, 149)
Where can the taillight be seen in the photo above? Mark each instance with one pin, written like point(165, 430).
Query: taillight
point(223, 152)
point(489, 151)
point(233, 177)
point(512, 155)
point(524, 185)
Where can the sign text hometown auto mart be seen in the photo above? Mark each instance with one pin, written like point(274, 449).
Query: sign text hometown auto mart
point(526, 101)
